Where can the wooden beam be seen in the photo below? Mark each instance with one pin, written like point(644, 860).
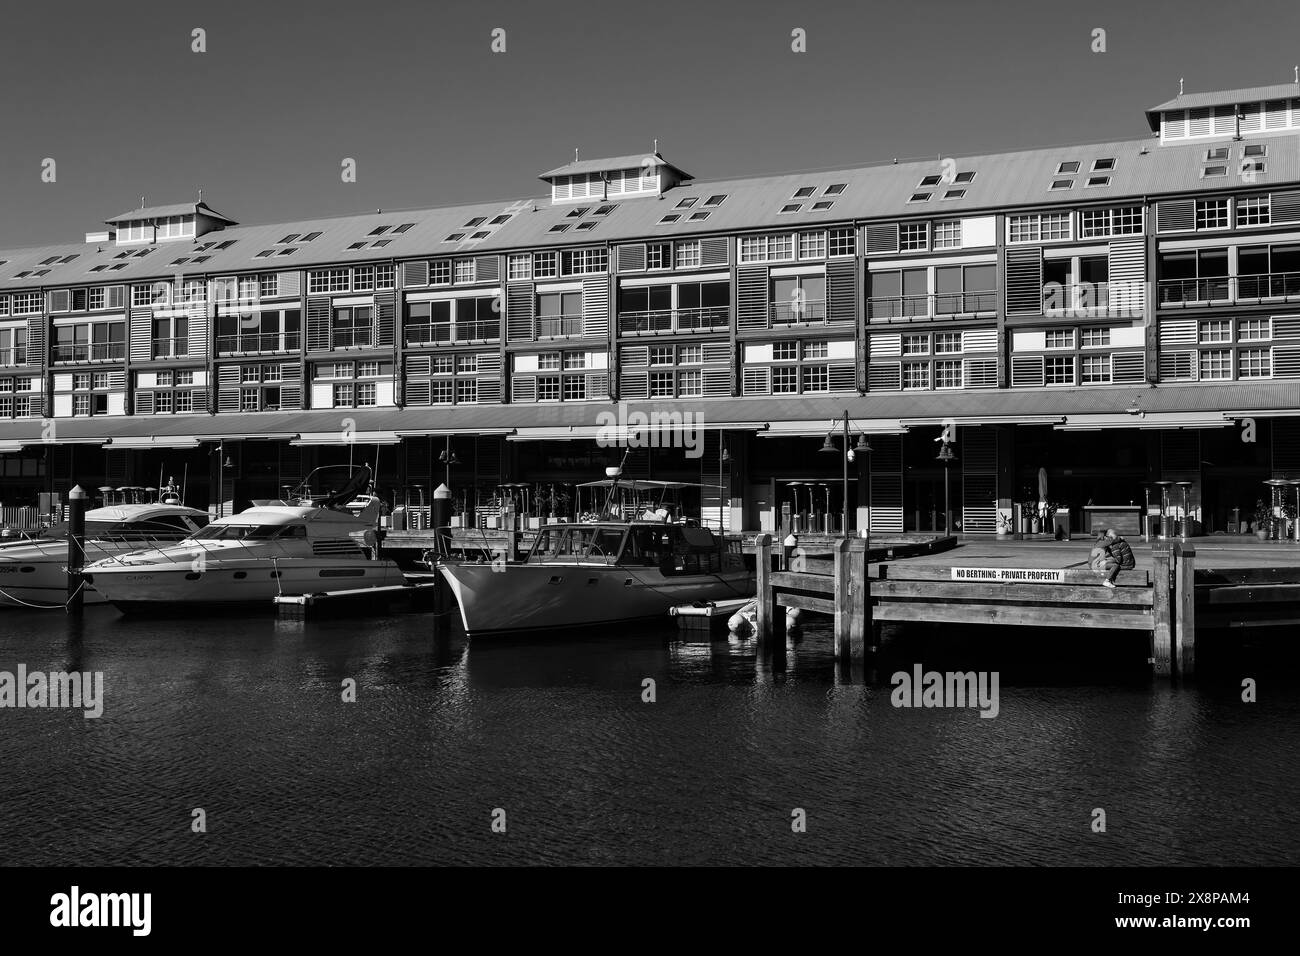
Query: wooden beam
point(798, 581)
point(905, 571)
point(1034, 593)
point(806, 602)
point(1162, 609)
point(1246, 594)
point(1185, 611)
point(1248, 576)
point(1138, 619)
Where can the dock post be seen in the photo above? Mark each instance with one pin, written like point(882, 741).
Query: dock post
point(440, 521)
point(1162, 560)
point(76, 549)
point(850, 602)
point(1185, 611)
point(762, 576)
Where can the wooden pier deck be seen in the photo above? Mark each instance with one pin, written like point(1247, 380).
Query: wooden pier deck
point(1216, 582)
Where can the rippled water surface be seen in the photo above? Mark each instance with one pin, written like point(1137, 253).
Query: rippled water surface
point(244, 718)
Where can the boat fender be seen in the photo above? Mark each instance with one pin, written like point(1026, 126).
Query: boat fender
point(744, 621)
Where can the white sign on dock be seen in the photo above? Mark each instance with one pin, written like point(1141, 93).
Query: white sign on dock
point(1009, 575)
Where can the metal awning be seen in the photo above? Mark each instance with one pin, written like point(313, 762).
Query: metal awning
point(152, 441)
point(10, 447)
point(1079, 423)
point(867, 426)
point(559, 432)
point(341, 437)
point(453, 432)
point(986, 420)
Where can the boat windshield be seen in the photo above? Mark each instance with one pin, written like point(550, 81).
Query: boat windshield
point(577, 541)
point(247, 532)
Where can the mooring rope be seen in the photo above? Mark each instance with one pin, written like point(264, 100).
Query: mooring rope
point(45, 607)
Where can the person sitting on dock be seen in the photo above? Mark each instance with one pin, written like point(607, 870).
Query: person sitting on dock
point(1119, 557)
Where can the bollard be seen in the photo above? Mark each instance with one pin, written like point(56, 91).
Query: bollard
point(439, 521)
point(76, 549)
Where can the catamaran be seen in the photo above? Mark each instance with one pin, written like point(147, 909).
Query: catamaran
point(602, 572)
point(33, 570)
point(309, 544)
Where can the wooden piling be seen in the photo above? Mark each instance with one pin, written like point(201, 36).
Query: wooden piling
point(1185, 610)
point(76, 550)
point(763, 582)
point(851, 606)
point(1162, 559)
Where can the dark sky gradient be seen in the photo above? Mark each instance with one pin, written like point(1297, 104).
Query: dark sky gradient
point(411, 90)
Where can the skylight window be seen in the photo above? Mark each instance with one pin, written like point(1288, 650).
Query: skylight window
point(671, 217)
point(478, 235)
point(50, 261)
point(380, 243)
point(1062, 183)
point(1071, 166)
point(954, 194)
point(966, 177)
point(357, 245)
point(141, 254)
point(588, 225)
point(791, 207)
point(309, 237)
point(559, 227)
point(380, 230)
point(177, 262)
point(1218, 154)
point(455, 237)
point(476, 221)
point(700, 216)
point(803, 192)
point(919, 197)
point(834, 189)
point(200, 259)
point(1211, 171)
point(287, 252)
point(292, 237)
point(118, 267)
point(930, 181)
point(1100, 165)
point(498, 220)
point(1097, 181)
point(576, 212)
point(822, 204)
point(404, 227)
point(1259, 149)
point(717, 200)
point(99, 268)
point(688, 202)
point(605, 210)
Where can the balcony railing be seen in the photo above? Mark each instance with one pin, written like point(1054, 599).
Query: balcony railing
point(551, 325)
point(434, 333)
point(259, 342)
point(350, 338)
point(796, 313)
point(171, 348)
point(675, 320)
point(1084, 297)
point(1273, 285)
point(1176, 292)
point(14, 356)
point(926, 306)
point(90, 352)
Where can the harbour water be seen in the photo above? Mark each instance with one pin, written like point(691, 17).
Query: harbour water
point(244, 718)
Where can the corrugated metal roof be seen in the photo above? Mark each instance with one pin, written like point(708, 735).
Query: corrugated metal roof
point(634, 161)
point(160, 212)
point(1142, 169)
point(1229, 97)
point(1031, 404)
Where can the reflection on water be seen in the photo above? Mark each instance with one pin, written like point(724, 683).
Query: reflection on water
point(244, 718)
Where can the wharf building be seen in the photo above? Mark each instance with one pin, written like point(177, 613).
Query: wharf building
point(1113, 314)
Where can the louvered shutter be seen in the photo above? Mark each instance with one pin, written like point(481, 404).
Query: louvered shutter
point(598, 384)
point(289, 283)
point(756, 380)
point(843, 377)
point(716, 381)
point(633, 385)
point(487, 268)
point(36, 341)
point(200, 397)
point(520, 306)
point(60, 300)
point(1127, 274)
point(196, 330)
point(1177, 366)
point(1026, 370)
point(1285, 207)
point(141, 335)
point(415, 274)
point(228, 378)
point(523, 388)
point(385, 319)
point(981, 373)
point(713, 252)
point(595, 305)
point(1176, 215)
point(1024, 281)
point(752, 295)
point(144, 403)
point(488, 391)
point(884, 376)
point(841, 294)
point(630, 258)
point(417, 393)
point(291, 385)
point(882, 237)
point(318, 325)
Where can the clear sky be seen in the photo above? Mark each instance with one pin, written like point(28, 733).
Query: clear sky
point(412, 91)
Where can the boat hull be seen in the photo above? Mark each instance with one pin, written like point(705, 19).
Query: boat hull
point(524, 598)
point(35, 573)
point(235, 583)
